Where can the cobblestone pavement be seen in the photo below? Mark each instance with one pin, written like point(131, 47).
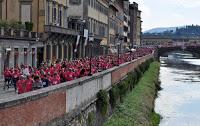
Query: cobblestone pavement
point(6, 93)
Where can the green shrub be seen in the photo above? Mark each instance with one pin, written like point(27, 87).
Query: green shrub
point(4, 24)
point(138, 73)
point(123, 88)
point(141, 67)
point(155, 119)
point(114, 96)
point(13, 24)
point(102, 102)
point(91, 118)
point(29, 26)
point(131, 80)
point(21, 25)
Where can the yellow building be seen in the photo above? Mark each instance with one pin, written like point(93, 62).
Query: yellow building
point(49, 18)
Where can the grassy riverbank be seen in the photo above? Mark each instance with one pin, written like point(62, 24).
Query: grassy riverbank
point(137, 108)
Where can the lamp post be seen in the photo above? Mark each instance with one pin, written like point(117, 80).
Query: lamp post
point(91, 39)
point(75, 54)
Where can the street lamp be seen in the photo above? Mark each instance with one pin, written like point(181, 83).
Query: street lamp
point(91, 39)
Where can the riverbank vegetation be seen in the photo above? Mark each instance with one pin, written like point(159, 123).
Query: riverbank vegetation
point(137, 97)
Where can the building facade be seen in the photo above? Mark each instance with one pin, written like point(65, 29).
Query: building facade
point(17, 44)
point(116, 25)
point(59, 39)
point(91, 15)
point(139, 28)
point(49, 39)
point(135, 24)
point(127, 43)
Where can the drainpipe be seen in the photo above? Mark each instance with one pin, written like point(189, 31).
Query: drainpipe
point(38, 5)
point(6, 9)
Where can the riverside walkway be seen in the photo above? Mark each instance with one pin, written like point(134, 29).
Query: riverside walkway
point(6, 93)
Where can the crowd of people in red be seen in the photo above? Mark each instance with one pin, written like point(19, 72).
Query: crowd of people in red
point(26, 78)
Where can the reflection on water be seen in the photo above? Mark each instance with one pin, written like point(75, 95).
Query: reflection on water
point(179, 101)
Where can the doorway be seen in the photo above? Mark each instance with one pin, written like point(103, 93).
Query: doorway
point(40, 56)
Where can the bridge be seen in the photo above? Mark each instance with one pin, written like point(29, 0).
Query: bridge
point(193, 49)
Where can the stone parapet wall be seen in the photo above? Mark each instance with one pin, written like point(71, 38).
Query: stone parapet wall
point(60, 104)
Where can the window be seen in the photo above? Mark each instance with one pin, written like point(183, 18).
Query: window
point(48, 52)
point(89, 23)
point(75, 2)
point(92, 3)
point(25, 12)
point(60, 16)
point(48, 13)
point(33, 57)
point(54, 14)
point(25, 55)
point(94, 26)
point(16, 56)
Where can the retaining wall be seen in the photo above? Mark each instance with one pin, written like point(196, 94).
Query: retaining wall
point(61, 104)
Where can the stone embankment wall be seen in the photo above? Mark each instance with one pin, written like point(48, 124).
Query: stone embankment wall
point(68, 103)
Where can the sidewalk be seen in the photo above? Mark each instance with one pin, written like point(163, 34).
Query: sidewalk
point(6, 93)
point(1, 83)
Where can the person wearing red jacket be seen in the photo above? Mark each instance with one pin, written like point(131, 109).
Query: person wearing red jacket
point(7, 76)
point(55, 79)
point(29, 84)
point(69, 75)
point(21, 85)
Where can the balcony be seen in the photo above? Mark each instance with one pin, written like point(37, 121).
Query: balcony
point(60, 30)
point(17, 33)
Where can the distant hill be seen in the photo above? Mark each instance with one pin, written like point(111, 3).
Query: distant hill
point(184, 31)
point(160, 30)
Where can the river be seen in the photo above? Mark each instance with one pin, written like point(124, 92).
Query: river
point(179, 100)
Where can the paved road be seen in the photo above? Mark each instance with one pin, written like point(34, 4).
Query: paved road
point(6, 93)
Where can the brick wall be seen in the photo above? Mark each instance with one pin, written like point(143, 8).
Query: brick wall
point(126, 68)
point(34, 113)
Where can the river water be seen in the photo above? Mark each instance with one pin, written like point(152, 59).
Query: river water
point(179, 101)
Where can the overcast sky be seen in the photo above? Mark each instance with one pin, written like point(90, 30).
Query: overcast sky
point(168, 13)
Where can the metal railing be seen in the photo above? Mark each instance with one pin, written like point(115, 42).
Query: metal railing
point(17, 33)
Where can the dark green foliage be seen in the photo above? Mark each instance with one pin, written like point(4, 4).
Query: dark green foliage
point(4, 24)
point(91, 118)
point(155, 119)
point(131, 80)
point(142, 67)
point(114, 95)
point(137, 106)
point(102, 102)
point(16, 25)
point(120, 90)
point(29, 26)
point(138, 73)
